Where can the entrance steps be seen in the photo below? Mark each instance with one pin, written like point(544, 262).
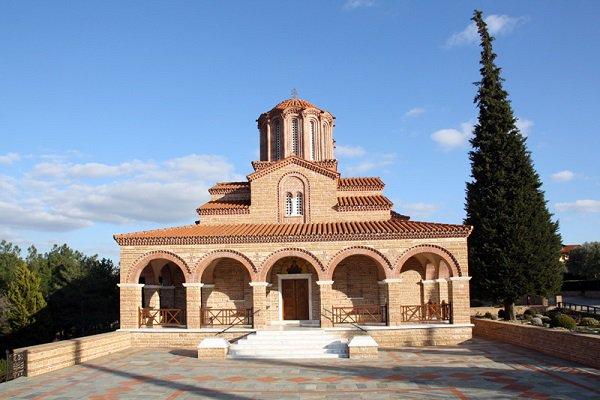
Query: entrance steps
point(309, 343)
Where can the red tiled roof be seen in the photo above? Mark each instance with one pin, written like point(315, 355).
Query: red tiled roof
point(225, 207)
point(300, 103)
point(393, 228)
point(399, 216)
point(226, 187)
point(357, 203)
point(293, 160)
point(567, 248)
point(329, 164)
point(365, 183)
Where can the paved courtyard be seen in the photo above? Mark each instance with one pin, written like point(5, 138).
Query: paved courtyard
point(479, 369)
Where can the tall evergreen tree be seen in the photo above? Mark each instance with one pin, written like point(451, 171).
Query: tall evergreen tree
point(515, 246)
point(24, 297)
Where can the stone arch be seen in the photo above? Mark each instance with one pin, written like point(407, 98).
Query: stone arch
point(373, 254)
point(450, 260)
point(139, 264)
point(207, 259)
point(294, 252)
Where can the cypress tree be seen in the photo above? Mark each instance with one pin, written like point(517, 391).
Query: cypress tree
point(24, 297)
point(515, 246)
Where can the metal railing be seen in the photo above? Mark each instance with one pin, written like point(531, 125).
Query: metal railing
point(150, 316)
point(428, 312)
point(367, 314)
point(582, 308)
point(226, 316)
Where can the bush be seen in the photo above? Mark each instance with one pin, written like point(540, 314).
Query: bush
point(529, 313)
point(563, 321)
point(591, 322)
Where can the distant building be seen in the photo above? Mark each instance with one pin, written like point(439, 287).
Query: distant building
point(566, 250)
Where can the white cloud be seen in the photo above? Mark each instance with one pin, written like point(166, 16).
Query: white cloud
point(580, 206)
point(385, 160)
point(419, 209)
point(450, 138)
point(349, 151)
point(497, 25)
point(354, 4)
point(524, 126)
point(59, 195)
point(414, 112)
point(9, 158)
point(563, 176)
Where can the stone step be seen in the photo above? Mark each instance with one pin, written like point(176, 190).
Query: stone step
point(289, 356)
point(329, 345)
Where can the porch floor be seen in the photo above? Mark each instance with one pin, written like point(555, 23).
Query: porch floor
point(478, 369)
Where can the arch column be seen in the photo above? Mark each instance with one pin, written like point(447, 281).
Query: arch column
point(394, 300)
point(130, 297)
point(326, 291)
point(193, 299)
point(458, 291)
point(259, 303)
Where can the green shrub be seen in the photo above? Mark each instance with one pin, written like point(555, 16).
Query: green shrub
point(529, 314)
point(563, 321)
point(591, 322)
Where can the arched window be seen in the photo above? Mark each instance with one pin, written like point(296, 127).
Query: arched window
point(277, 140)
point(295, 136)
point(289, 208)
point(313, 127)
point(298, 204)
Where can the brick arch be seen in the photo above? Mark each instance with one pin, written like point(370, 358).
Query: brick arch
point(448, 257)
point(373, 254)
point(138, 266)
point(284, 253)
point(205, 261)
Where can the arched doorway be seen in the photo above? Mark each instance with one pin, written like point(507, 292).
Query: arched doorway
point(357, 291)
point(163, 295)
point(226, 293)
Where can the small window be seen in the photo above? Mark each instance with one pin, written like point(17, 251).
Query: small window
point(298, 204)
point(295, 136)
point(277, 140)
point(288, 204)
point(312, 139)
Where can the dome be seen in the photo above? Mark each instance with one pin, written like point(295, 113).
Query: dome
point(297, 103)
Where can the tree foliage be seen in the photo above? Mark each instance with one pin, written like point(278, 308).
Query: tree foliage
point(24, 297)
point(515, 246)
point(584, 261)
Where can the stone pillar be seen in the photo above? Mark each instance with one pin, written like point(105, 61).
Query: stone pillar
point(193, 300)
point(395, 300)
point(326, 290)
point(459, 299)
point(259, 303)
point(130, 303)
point(429, 292)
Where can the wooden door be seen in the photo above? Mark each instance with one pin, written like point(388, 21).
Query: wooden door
point(295, 299)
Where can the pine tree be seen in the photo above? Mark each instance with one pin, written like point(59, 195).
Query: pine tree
point(515, 246)
point(24, 297)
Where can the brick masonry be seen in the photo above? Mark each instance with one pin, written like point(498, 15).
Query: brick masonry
point(584, 349)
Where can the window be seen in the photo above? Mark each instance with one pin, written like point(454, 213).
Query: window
point(295, 136)
point(288, 204)
point(312, 139)
point(298, 204)
point(277, 140)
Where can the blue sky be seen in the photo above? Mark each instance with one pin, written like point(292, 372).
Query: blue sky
point(118, 116)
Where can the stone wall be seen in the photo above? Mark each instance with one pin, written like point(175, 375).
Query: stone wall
point(414, 335)
point(52, 356)
point(188, 339)
point(584, 349)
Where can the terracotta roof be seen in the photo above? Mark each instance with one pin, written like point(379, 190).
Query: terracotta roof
point(567, 248)
point(227, 187)
point(359, 203)
point(393, 228)
point(329, 164)
point(299, 103)
point(365, 183)
point(399, 216)
point(293, 160)
point(225, 207)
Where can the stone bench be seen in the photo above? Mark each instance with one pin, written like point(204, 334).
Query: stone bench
point(363, 346)
point(213, 349)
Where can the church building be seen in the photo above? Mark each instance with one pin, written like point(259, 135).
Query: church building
point(298, 244)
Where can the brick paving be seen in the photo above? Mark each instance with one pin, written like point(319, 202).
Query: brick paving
point(478, 369)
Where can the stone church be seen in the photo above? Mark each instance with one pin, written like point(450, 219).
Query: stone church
point(298, 244)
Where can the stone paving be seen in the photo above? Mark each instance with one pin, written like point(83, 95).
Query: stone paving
point(478, 369)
